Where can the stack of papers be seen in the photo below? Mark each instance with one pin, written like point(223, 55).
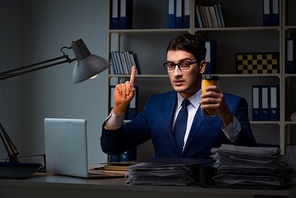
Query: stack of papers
point(161, 174)
point(251, 167)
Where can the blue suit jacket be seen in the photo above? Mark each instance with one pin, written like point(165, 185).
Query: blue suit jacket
point(155, 122)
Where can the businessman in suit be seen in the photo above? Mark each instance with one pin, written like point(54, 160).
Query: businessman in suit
point(159, 120)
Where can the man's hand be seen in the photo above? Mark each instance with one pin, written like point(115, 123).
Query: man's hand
point(124, 93)
point(214, 99)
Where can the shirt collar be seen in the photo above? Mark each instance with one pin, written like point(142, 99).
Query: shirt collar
point(194, 100)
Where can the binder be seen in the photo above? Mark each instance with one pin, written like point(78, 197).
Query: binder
point(256, 102)
point(171, 14)
point(186, 13)
point(111, 97)
point(133, 105)
point(274, 102)
point(129, 155)
point(179, 18)
point(274, 13)
point(114, 24)
point(265, 103)
point(198, 15)
point(114, 158)
point(210, 56)
point(290, 62)
point(266, 12)
point(126, 14)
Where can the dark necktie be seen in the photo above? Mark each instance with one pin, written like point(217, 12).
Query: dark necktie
point(180, 125)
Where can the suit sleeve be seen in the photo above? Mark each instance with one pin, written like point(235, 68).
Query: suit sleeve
point(245, 137)
point(130, 135)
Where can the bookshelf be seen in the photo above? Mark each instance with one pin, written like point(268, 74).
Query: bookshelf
point(244, 32)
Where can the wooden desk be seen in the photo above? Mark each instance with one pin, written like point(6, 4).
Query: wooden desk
point(47, 185)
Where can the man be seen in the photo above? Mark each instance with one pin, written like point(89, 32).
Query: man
point(185, 66)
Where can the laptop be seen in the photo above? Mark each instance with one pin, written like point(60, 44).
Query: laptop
point(66, 149)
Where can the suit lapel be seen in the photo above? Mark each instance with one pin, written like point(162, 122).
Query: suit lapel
point(198, 120)
point(169, 107)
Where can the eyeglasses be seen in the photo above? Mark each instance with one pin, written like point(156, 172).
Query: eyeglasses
point(182, 66)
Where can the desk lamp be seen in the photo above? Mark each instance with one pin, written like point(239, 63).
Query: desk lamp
point(87, 66)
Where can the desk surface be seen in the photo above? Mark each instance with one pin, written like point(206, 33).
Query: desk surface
point(117, 185)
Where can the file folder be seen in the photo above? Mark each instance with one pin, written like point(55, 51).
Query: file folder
point(291, 54)
point(266, 12)
point(126, 14)
point(133, 105)
point(256, 102)
point(274, 102)
point(186, 13)
point(210, 56)
point(274, 13)
point(114, 24)
point(265, 103)
point(171, 14)
point(111, 97)
point(179, 18)
point(129, 155)
point(114, 158)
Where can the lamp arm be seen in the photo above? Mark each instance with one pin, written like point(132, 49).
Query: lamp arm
point(14, 72)
point(11, 149)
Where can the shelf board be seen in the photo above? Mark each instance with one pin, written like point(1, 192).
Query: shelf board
point(289, 122)
point(149, 31)
point(232, 29)
point(265, 122)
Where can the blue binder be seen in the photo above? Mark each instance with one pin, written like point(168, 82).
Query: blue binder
point(274, 102)
point(114, 158)
point(126, 14)
point(111, 97)
point(266, 12)
point(186, 13)
point(274, 13)
point(171, 14)
point(265, 103)
point(256, 102)
point(179, 18)
point(210, 56)
point(114, 14)
point(133, 106)
point(129, 155)
point(291, 54)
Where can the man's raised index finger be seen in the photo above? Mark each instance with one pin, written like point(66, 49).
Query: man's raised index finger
point(133, 74)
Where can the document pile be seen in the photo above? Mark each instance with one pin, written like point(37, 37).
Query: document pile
point(251, 167)
point(161, 174)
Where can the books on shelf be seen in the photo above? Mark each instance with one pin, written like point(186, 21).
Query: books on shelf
point(122, 62)
point(210, 16)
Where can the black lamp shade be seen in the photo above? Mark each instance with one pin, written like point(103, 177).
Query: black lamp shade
point(88, 65)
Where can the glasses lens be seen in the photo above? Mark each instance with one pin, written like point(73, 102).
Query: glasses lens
point(185, 65)
point(170, 66)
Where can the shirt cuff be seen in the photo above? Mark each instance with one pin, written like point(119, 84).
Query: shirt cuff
point(232, 130)
point(113, 121)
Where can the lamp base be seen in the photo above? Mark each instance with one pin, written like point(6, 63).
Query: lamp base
point(14, 170)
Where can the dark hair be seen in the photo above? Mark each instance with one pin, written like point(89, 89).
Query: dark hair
point(193, 44)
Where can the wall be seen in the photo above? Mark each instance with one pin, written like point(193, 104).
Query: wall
point(11, 57)
point(48, 26)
